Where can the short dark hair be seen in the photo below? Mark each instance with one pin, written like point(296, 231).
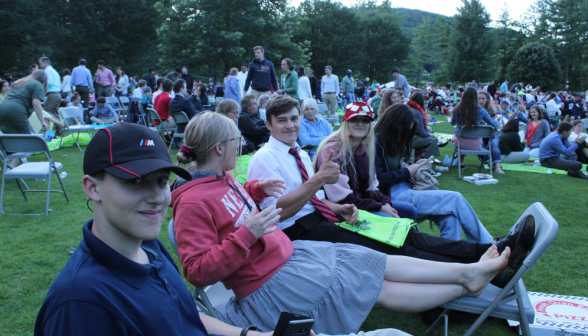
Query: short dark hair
point(76, 96)
point(395, 70)
point(151, 69)
point(329, 67)
point(34, 65)
point(280, 105)
point(247, 100)
point(82, 62)
point(142, 83)
point(101, 100)
point(504, 101)
point(575, 123)
point(564, 126)
point(101, 62)
point(244, 65)
point(66, 72)
point(63, 103)
point(178, 69)
point(167, 85)
point(159, 81)
point(45, 59)
point(511, 126)
point(178, 85)
point(185, 67)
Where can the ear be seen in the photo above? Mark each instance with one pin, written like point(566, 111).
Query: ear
point(268, 125)
point(91, 188)
point(219, 149)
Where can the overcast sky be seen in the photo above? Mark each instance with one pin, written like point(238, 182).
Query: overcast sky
point(449, 7)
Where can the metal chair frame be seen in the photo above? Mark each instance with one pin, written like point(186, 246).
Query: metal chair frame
point(482, 131)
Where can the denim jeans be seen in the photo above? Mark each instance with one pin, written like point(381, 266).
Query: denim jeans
point(448, 209)
point(495, 150)
point(350, 97)
point(405, 210)
point(533, 152)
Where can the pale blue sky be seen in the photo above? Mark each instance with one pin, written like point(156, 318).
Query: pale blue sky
point(448, 7)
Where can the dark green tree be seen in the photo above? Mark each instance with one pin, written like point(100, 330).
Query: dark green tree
point(442, 44)
point(422, 52)
point(471, 47)
point(536, 63)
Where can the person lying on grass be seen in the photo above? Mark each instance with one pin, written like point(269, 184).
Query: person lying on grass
point(223, 237)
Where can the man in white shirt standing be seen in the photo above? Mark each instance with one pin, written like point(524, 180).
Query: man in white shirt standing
point(53, 98)
point(330, 89)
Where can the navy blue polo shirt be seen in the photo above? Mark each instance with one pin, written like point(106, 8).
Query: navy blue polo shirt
point(100, 292)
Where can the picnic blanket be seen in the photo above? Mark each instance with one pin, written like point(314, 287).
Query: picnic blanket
point(443, 137)
point(521, 167)
point(241, 166)
point(96, 126)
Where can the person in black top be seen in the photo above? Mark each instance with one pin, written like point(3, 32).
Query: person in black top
point(150, 78)
point(181, 103)
point(250, 124)
point(511, 148)
point(492, 89)
point(189, 80)
point(314, 84)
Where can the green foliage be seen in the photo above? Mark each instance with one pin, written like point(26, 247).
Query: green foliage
point(357, 38)
point(422, 53)
point(536, 63)
point(471, 50)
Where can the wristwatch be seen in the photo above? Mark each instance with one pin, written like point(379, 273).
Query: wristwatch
point(245, 330)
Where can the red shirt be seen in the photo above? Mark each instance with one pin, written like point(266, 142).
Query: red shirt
point(161, 105)
point(531, 131)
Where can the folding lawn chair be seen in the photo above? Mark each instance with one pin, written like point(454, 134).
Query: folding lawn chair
point(483, 131)
point(512, 302)
point(30, 143)
point(331, 118)
point(125, 102)
point(159, 128)
point(180, 118)
point(217, 292)
point(74, 112)
point(114, 102)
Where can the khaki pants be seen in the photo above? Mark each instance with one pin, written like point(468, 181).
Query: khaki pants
point(330, 99)
point(51, 105)
point(259, 93)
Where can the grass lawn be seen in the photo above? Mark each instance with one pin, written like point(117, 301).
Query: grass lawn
point(34, 248)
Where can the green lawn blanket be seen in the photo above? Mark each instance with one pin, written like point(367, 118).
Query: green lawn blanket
point(388, 230)
point(241, 166)
point(83, 139)
point(521, 167)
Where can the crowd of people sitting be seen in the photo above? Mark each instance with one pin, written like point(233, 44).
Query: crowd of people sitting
point(273, 241)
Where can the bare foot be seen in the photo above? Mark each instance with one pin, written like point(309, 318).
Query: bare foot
point(492, 253)
point(484, 271)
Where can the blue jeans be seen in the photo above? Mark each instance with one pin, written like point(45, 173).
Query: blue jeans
point(405, 210)
point(495, 150)
point(350, 97)
point(448, 209)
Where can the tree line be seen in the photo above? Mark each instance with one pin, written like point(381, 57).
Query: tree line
point(546, 47)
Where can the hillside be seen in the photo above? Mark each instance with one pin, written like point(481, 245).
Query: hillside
point(412, 18)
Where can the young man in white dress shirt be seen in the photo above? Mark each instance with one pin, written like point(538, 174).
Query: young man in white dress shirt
point(305, 211)
point(330, 89)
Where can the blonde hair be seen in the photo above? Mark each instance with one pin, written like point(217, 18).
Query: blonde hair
point(226, 106)
point(489, 107)
point(345, 155)
point(234, 72)
point(309, 103)
point(386, 98)
point(203, 133)
point(38, 75)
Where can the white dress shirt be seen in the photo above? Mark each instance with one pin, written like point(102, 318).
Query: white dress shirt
point(330, 84)
point(274, 161)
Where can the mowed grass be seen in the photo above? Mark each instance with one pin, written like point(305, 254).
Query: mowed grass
point(33, 249)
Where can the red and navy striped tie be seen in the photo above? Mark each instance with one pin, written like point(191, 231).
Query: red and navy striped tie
point(322, 207)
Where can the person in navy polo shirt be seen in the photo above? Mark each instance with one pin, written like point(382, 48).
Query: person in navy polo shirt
point(121, 280)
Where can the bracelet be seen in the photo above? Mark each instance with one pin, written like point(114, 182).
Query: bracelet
point(245, 330)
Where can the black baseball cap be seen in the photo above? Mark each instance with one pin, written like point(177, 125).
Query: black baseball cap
point(129, 151)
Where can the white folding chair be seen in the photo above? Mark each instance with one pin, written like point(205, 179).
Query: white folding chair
point(324, 110)
point(75, 113)
point(512, 302)
point(114, 102)
point(180, 118)
point(30, 143)
point(125, 102)
point(585, 122)
point(483, 131)
point(218, 293)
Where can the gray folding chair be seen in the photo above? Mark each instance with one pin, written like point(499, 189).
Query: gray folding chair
point(114, 102)
point(217, 291)
point(331, 118)
point(483, 131)
point(180, 118)
point(512, 302)
point(125, 102)
point(30, 143)
point(75, 113)
point(159, 128)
